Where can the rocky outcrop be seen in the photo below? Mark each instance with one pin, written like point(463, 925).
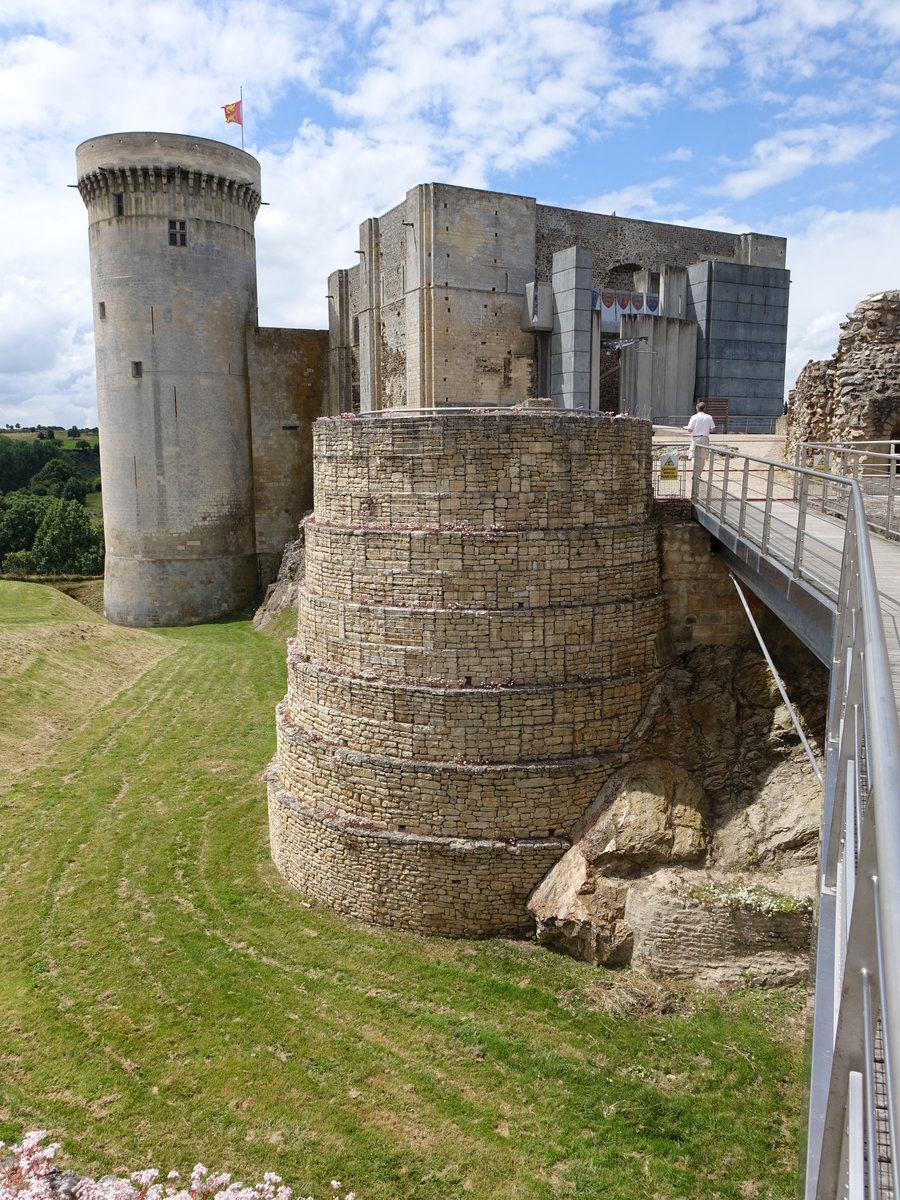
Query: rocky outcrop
point(854, 395)
point(282, 594)
point(697, 858)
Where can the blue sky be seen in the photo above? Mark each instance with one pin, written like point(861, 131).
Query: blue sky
point(773, 115)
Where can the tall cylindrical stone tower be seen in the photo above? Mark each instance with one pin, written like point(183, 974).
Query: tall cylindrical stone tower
point(173, 275)
point(475, 646)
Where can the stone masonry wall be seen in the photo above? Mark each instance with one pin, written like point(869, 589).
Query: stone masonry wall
point(288, 381)
point(475, 646)
point(854, 395)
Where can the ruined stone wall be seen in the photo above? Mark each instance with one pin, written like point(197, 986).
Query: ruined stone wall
point(620, 246)
point(854, 395)
point(475, 645)
point(343, 343)
point(392, 312)
point(288, 381)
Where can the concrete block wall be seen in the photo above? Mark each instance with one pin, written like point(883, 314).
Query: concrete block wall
point(658, 376)
point(475, 645)
point(570, 343)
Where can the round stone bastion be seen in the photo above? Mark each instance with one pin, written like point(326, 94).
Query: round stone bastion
point(475, 645)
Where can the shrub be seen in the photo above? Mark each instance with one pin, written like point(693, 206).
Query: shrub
point(26, 1171)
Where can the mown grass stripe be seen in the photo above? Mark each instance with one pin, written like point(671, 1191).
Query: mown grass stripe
point(164, 996)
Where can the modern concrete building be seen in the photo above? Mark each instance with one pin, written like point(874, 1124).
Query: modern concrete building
point(465, 297)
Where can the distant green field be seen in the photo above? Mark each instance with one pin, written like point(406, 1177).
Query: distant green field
point(165, 998)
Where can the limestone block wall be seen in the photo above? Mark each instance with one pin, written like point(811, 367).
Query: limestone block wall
point(173, 277)
point(475, 645)
point(288, 379)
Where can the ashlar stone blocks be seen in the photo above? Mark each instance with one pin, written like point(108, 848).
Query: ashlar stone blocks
point(475, 646)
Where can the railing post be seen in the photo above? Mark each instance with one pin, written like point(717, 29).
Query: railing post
point(892, 475)
point(724, 489)
point(745, 482)
point(801, 524)
point(767, 518)
point(696, 472)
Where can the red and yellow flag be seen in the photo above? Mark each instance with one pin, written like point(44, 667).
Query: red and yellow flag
point(232, 113)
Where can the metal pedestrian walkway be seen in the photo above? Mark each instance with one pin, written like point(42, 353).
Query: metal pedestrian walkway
point(839, 590)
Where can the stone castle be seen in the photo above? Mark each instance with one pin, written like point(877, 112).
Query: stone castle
point(490, 604)
point(460, 298)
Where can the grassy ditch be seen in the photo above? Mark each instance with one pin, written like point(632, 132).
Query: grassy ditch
point(164, 998)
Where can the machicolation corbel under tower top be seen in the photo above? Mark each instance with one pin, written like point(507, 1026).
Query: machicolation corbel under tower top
point(475, 645)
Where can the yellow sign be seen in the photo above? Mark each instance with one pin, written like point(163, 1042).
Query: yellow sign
point(668, 466)
point(819, 463)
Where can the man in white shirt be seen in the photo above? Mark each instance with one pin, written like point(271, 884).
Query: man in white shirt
point(700, 426)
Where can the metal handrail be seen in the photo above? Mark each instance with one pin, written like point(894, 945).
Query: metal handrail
point(853, 1138)
point(852, 1143)
point(768, 519)
point(875, 470)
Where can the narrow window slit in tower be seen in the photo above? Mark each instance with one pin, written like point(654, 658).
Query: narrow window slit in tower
point(134, 464)
point(119, 203)
point(137, 370)
point(101, 309)
point(175, 400)
point(152, 322)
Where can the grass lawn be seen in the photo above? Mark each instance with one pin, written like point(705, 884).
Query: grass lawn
point(165, 998)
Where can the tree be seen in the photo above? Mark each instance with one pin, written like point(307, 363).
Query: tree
point(52, 478)
point(68, 541)
point(21, 514)
point(82, 445)
point(20, 460)
point(75, 489)
point(73, 432)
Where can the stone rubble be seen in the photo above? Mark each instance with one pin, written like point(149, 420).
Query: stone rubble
point(854, 395)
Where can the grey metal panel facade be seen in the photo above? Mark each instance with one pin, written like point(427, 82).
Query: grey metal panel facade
point(742, 314)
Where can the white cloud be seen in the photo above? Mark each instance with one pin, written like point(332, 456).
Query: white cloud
point(637, 200)
point(679, 154)
point(835, 259)
point(396, 92)
point(793, 151)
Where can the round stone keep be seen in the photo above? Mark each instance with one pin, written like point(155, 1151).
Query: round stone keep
point(173, 277)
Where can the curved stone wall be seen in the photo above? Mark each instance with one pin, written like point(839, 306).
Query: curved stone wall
point(173, 276)
point(475, 646)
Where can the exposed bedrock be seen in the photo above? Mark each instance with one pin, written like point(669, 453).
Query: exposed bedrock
point(697, 858)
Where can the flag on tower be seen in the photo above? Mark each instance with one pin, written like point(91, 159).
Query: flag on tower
point(233, 113)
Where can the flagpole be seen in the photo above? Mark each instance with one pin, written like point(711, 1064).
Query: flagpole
point(242, 116)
